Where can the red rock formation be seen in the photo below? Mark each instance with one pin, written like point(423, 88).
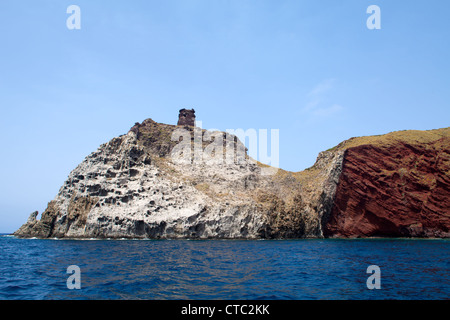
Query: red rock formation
point(394, 190)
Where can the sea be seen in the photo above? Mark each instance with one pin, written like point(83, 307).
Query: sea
point(310, 269)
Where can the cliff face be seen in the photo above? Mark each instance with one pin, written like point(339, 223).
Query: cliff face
point(398, 188)
point(133, 187)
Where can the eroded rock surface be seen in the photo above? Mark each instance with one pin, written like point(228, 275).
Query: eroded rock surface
point(132, 187)
point(400, 190)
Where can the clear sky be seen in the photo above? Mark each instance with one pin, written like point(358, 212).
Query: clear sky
point(311, 69)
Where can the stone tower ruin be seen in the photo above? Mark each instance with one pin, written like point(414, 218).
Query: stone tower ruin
point(186, 117)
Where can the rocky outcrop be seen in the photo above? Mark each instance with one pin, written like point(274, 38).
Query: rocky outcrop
point(131, 188)
point(393, 190)
point(134, 186)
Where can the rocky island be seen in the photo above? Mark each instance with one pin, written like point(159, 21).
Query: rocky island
point(393, 185)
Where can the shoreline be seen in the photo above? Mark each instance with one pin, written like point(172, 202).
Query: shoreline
point(11, 235)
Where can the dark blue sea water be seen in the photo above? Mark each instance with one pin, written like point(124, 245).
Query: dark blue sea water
point(228, 269)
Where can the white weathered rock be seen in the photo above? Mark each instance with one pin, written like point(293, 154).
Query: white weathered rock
point(131, 187)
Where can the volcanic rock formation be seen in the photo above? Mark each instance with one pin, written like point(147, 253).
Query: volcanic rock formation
point(397, 188)
point(133, 187)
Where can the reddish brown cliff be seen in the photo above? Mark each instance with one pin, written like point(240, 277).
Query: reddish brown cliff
point(397, 185)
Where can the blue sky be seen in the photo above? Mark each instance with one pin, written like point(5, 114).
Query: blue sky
point(311, 69)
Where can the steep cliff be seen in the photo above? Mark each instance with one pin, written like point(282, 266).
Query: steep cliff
point(396, 185)
point(134, 187)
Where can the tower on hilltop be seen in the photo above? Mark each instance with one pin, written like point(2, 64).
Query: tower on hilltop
point(186, 117)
